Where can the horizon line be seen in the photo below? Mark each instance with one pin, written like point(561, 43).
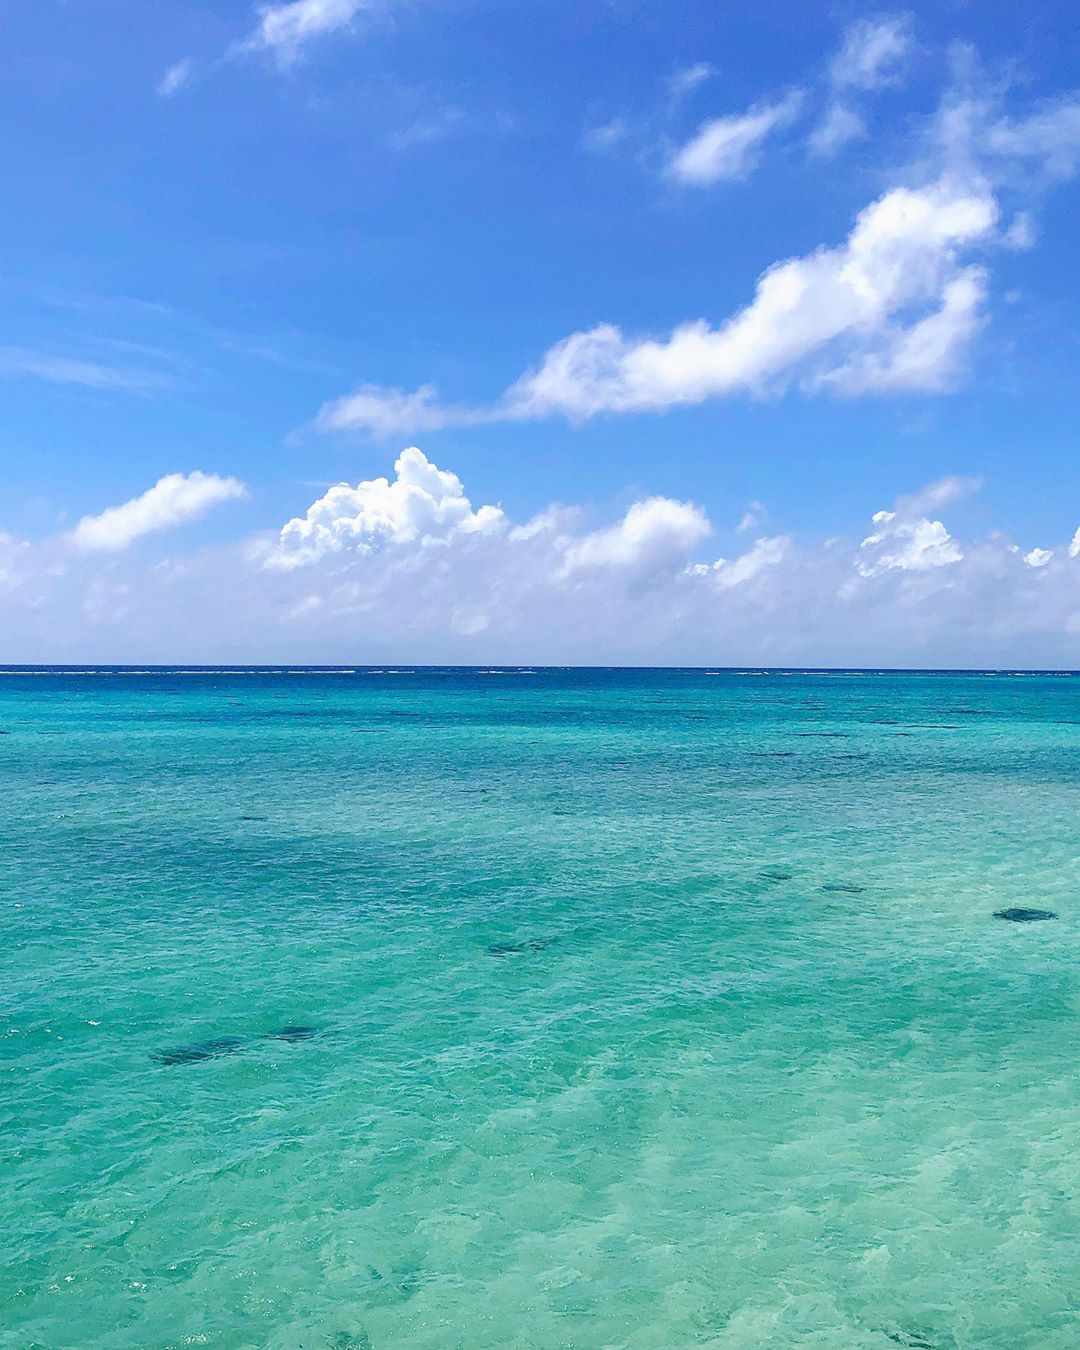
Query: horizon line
point(517, 667)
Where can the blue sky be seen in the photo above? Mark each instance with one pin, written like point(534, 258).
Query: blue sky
point(776, 266)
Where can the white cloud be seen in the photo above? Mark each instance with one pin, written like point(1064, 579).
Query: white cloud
point(1038, 557)
point(284, 28)
point(1074, 546)
point(892, 308)
point(871, 52)
point(727, 147)
point(764, 554)
point(176, 77)
point(839, 127)
point(902, 253)
point(911, 546)
point(941, 492)
point(927, 355)
point(386, 412)
point(653, 534)
point(906, 540)
point(423, 505)
point(174, 500)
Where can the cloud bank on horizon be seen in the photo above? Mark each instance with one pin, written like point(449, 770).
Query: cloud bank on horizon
point(394, 568)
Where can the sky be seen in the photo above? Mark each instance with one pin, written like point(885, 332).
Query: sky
point(555, 331)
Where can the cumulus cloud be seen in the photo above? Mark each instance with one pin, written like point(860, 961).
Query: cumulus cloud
point(284, 29)
point(906, 539)
point(654, 534)
point(908, 545)
point(892, 308)
point(423, 505)
point(174, 500)
point(928, 354)
point(902, 253)
point(727, 147)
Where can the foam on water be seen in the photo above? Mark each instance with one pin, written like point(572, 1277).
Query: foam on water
point(685, 1030)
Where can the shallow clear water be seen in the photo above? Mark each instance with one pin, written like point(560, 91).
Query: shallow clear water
point(646, 1009)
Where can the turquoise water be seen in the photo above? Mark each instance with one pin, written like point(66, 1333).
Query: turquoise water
point(566, 1009)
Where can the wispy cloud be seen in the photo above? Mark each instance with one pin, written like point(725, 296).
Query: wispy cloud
point(689, 78)
point(871, 56)
point(284, 29)
point(430, 129)
point(752, 517)
point(19, 361)
point(607, 136)
point(727, 147)
point(872, 51)
point(839, 127)
point(386, 412)
point(176, 77)
point(1050, 137)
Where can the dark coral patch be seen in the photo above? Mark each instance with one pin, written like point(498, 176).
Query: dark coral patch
point(516, 948)
point(200, 1050)
point(298, 1031)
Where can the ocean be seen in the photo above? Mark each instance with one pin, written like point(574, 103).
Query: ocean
point(441, 1008)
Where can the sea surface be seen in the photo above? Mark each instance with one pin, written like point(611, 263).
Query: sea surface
point(445, 1009)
